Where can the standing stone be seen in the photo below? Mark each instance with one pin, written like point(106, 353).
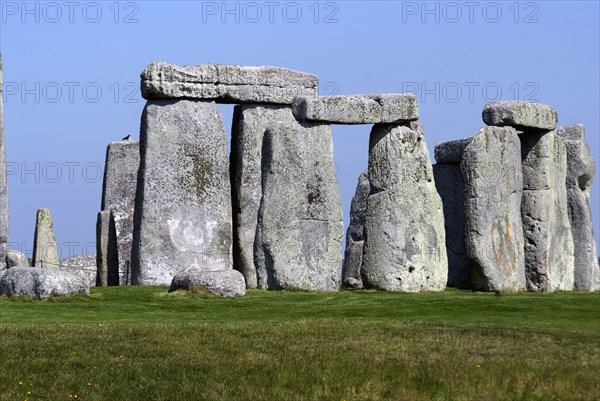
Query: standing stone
point(250, 122)
point(298, 238)
point(107, 254)
point(118, 196)
point(451, 188)
point(182, 218)
point(492, 174)
point(580, 177)
point(3, 185)
point(405, 245)
point(549, 249)
point(355, 234)
point(45, 251)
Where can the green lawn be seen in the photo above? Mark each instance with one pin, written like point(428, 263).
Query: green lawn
point(140, 343)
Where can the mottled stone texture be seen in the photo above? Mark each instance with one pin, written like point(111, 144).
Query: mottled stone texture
point(351, 277)
point(405, 244)
point(41, 283)
point(492, 174)
point(521, 115)
point(450, 151)
point(226, 83)
point(581, 169)
point(549, 249)
point(118, 196)
point(451, 188)
point(250, 122)
point(83, 265)
point(226, 283)
point(357, 109)
point(182, 216)
point(107, 252)
point(298, 238)
point(45, 251)
point(15, 259)
point(3, 184)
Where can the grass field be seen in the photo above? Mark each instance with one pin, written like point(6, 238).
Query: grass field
point(140, 343)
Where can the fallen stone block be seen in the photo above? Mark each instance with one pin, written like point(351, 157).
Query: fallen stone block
point(41, 283)
point(520, 115)
point(492, 173)
point(83, 265)
point(357, 109)
point(16, 259)
point(226, 283)
point(226, 83)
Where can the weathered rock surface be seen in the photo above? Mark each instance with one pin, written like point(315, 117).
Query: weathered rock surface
point(83, 265)
point(549, 249)
point(183, 204)
point(107, 254)
point(492, 173)
point(45, 251)
point(3, 184)
point(451, 188)
point(357, 109)
point(15, 259)
point(250, 122)
point(118, 196)
point(351, 277)
point(580, 177)
point(450, 151)
point(405, 245)
point(227, 283)
point(226, 83)
point(41, 283)
point(520, 115)
point(298, 238)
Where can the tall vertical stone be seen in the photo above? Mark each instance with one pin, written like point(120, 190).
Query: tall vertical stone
point(405, 244)
point(182, 219)
point(250, 122)
point(450, 185)
point(45, 251)
point(351, 277)
point(107, 254)
point(298, 238)
point(549, 249)
point(581, 169)
point(118, 196)
point(3, 184)
point(491, 168)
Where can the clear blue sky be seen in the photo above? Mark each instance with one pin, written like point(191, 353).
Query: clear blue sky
point(71, 73)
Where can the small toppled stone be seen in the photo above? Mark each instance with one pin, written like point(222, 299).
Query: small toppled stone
point(16, 259)
point(520, 115)
point(84, 265)
point(226, 283)
point(451, 151)
point(581, 169)
point(41, 283)
point(355, 238)
point(45, 251)
point(357, 109)
point(226, 83)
